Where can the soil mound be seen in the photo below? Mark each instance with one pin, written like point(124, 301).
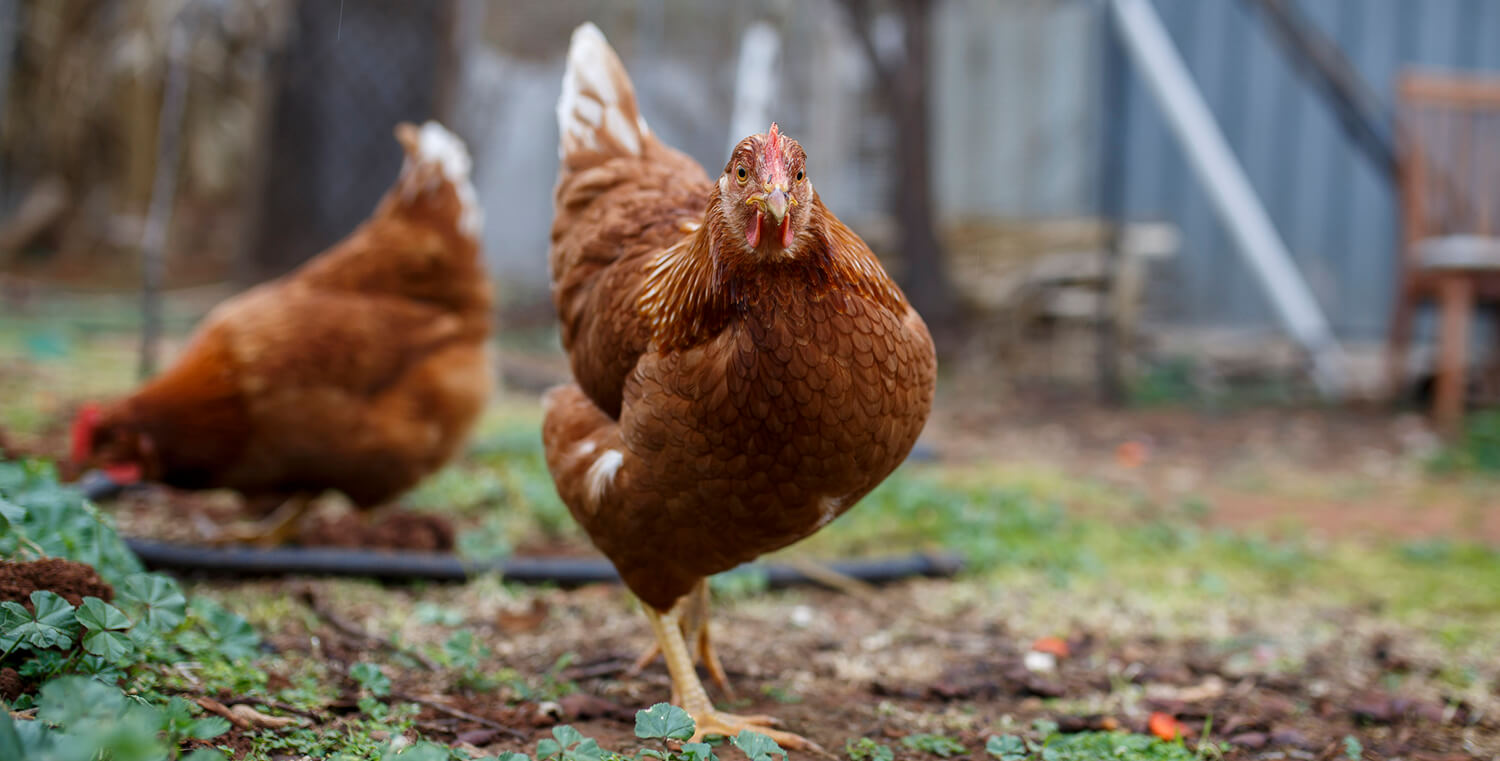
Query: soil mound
point(72, 581)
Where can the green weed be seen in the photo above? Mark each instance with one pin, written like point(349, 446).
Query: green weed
point(82, 656)
point(1476, 450)
point(866, 749)
point(937, 745)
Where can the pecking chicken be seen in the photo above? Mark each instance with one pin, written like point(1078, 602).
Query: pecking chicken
point(745, 370)
point(362, 371)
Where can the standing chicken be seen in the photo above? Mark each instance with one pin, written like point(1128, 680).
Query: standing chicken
point(746, 371)
point(361, 371)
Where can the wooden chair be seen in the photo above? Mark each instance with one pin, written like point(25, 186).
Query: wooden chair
point(1449, 133)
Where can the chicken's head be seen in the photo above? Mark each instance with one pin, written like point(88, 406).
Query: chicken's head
point(122, 452)
point(765, 195)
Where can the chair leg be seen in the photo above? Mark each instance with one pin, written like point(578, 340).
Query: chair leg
point(1397, 348)
point(1491, 377)
point(1456, 295)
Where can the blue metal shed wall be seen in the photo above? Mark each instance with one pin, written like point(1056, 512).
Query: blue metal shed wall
point(1336, 213)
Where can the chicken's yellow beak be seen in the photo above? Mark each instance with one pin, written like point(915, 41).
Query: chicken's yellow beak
point(775, 201)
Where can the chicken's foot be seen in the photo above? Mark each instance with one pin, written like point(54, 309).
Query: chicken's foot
point(688, 691)
point(273, 530)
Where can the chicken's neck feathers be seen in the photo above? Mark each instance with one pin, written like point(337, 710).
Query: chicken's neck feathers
point(696, 287)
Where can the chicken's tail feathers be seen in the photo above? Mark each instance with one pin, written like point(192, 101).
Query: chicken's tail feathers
point(434, 157)
point(597, 115)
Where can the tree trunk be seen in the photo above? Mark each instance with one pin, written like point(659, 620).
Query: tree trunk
point(925, 272)
point(903, 91)
point(1113, 124)
point(330, 154)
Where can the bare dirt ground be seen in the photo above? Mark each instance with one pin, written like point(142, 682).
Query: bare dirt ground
point(1329, 472)
point(937, 657)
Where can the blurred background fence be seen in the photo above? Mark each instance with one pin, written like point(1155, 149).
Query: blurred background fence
point(287, 136)
point(344, 74)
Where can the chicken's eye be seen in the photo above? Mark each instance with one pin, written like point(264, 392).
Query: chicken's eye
point(742, 174)
point(799, 175)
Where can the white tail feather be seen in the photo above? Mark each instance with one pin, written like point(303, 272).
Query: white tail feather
point(433, 146)
point(597, 112)
point(601, 475)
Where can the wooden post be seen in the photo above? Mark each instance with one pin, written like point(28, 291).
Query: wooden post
point(1113, 123)
point(904, 90)
point(1456, 294)
point(163, 188)
point(453, 16)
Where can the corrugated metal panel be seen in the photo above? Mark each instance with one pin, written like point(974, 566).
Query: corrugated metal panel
point(1016, 116)
point(1014, 92)
point(1336, 212)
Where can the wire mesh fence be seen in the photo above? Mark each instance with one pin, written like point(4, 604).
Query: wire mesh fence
point(344, 77)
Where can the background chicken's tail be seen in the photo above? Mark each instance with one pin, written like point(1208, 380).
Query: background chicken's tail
point(434, 157)
point(597, 116)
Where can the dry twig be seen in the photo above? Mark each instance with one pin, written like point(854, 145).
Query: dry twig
point(458, 714)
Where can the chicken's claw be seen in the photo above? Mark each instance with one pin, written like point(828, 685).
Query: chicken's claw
point(716, 722)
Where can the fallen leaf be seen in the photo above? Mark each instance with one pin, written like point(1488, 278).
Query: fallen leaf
point(582, 706)
point(478, 736)
point(534, 616)
point(245, 717)
point(1250, 740)
point(258, 719)
point(1210, 688)
point(215, 707)
point(1379, 708)
point(470, 750)
point(1289, 737)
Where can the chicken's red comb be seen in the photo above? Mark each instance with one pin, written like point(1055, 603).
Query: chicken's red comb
point(773, 143)
point(82, 432)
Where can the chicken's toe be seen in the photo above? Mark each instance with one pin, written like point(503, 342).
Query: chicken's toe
point(715, 722)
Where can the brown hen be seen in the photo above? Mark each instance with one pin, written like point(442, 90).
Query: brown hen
point(362, 371)
point(746, 371)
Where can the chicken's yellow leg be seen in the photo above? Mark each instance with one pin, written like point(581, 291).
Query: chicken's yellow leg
point(694, 699)
point(273, 530)
point(693, 617)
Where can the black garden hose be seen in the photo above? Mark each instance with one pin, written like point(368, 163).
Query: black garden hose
point(430, 566)
point(413, 566)
point(97, 486)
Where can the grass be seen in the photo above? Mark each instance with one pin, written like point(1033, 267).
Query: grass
point(1021, 528)
point(1007, 525)
point(1477, 449)
point(1184, 380)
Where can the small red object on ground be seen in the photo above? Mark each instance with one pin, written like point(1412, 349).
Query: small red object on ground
point(1054, 645)
point(1166, 726)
